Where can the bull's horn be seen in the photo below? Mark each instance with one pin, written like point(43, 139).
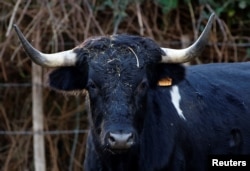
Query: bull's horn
point(185, 55)
point(65, 58)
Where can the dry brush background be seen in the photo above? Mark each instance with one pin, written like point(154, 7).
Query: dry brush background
point(57, 25)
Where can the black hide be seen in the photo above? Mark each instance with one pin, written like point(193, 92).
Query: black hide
point(121, 75)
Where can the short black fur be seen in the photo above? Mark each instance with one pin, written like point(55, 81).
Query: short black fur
point(121, 74)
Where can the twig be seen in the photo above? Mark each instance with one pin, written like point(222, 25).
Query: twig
point(92, 16)
point(193, 19)
point(137, 60)
point(12, 18)
point(138, 9)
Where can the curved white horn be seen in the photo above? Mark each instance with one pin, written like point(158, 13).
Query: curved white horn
point(185, 55)
point(65, 58)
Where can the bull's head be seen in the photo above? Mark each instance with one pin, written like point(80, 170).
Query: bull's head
point(118, 72)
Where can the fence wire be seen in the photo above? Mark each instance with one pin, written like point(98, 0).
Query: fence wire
point(9, 85)
point(30, 132)
point(51, 132)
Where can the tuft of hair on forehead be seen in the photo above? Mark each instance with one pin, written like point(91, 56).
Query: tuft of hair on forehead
point(141, 48)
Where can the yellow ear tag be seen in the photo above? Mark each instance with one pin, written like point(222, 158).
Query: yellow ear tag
point(164, 82)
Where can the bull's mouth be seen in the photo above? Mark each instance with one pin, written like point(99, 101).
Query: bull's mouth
point(118, 151)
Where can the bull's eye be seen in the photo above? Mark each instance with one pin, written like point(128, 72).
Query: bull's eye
point(91, 85)
point(142, 86)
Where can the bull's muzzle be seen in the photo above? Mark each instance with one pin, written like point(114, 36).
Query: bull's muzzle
point(120, 140)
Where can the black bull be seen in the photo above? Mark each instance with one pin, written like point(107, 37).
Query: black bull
point(147, 111)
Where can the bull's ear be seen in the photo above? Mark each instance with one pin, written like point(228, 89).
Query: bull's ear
point(166, 74)
point(68, 79)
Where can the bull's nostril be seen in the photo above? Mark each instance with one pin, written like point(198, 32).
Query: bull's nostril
point(111, 140)
point(131, 139)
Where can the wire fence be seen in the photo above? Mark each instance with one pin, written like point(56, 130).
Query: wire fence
point(51, 132)
point(65, 128)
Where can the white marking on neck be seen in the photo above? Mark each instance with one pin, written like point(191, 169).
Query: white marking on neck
point(176, 98)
